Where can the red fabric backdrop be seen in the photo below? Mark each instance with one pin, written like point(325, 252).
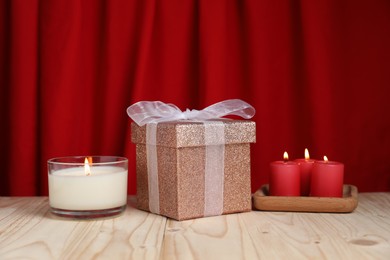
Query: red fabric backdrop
point(318, 73)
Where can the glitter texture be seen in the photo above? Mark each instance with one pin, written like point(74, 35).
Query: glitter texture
point(181, 167)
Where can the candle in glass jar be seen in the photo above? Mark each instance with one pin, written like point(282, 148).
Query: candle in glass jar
point(87, 189)
point(327, 179)
point(306, 166)
point(284, 178)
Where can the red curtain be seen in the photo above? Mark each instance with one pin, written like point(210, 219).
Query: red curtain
point(317, 72)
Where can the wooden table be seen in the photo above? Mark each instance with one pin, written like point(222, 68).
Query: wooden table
point(29, 231)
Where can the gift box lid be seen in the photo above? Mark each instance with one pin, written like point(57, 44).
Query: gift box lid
point(184, 133)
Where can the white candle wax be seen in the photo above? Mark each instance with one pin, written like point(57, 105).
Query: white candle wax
point(72, 189)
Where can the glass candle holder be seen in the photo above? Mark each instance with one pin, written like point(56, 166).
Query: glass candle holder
point(87, 187)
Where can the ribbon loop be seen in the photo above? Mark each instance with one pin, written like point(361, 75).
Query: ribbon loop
point(145, 112)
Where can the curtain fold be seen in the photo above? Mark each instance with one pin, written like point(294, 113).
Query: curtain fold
point(317, 73)
point(19, 83)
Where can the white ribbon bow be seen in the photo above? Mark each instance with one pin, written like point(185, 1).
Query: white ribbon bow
point(145, 112)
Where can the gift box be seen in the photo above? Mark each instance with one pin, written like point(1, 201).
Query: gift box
point(189, 169)
point(182, 158)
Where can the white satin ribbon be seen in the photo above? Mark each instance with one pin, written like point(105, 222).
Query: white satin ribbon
point(214, 168)
point(151, 160)
point(153, 112)
point(145, 112)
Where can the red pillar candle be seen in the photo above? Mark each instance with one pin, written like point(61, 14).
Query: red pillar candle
point(284, 178)
point(306, 166)
point(327, 179)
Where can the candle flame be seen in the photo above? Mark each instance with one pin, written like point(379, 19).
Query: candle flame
point(307, 155)
point(325, 158)
point(285, 156)
point(87, 168)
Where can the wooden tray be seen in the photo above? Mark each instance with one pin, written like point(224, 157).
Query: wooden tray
point(349, 201)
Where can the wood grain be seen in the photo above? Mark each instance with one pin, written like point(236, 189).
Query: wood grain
point(223, 237)
point(29, 231)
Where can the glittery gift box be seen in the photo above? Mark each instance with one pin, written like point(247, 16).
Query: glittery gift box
point(180, 148)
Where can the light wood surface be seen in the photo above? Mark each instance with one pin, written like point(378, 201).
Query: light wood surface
point(29, 231)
